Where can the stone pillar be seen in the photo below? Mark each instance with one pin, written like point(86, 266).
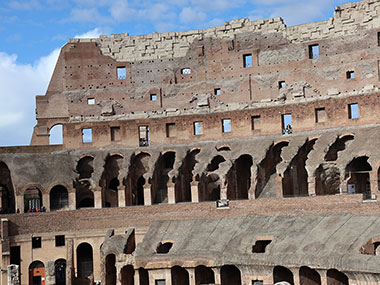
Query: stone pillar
point(252, 187)
point(373, 182)
point(121, 196)
point(20, 203)
point(98, 198)
point(217, 275)
point(343, 185)
point(13, 276)
point(147, 195)
point(323, 274)
point(279, 192)
point(194, 191)
point(72, 201)
point(223, 190)
point(171, 193)
point(70, 272)
point(137, 277)
point(191, 275)
point(49, 273)
point(46, 201)
point(296, 275)
point(311, 185)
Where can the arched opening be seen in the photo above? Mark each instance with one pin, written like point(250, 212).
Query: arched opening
point(128, 275)
point(144, 276)
point(357, 176)
point(204, 275)
point(160, 179)
point(239, 178)
point(335, 277)
point(84, 184)
point(56, 134)
point(180, 276)
point(209, 188)
point(339, 145)
point(32, 200)
point(84, 263)
point(110, 269)
point(309, 276)
point(59, 198)
point(327, 180)
point(294, 182)
point(282, 274)
point(7, 202)
point(60, 271)
point(230, 275)
point(266, 171)
point(214, 164)
point(164, 247)
point(36, 273)
point(110, 181)
point(184, 178)
point(134, 190)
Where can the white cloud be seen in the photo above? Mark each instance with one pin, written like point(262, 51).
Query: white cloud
point(86, 15)
point(121, 11)
point(95, 33)
point(189, 15)
point(20, 83)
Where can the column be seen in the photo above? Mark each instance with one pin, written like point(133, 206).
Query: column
point(218, 279)
point(373, 179)
point(20, 203)
point(296, 275)
point(343, 185)
point(147, 195)
point(46, 201)
point(98, 198)
point(137, 277)
point(72, 201)
point(121, 196)
point(311, 185)
point(279, 193)
point(171, 192)
point(252, 187)
point(191, 275)
point(194, 191)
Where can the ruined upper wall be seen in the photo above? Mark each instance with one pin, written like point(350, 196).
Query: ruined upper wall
point(347, 20)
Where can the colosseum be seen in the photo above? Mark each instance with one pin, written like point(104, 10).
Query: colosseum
point(247, 153)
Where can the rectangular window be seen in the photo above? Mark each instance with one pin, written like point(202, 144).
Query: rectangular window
point(255, 122)
point(121, 72)
point(353, 111)
point(313, 51)
point(281, 85)
point(159, 282)
point(320, 115)
point(217, 91)
point(60, 240)
point(115, 134)
point(350, 74)
point(186, 71)
point(153, 97)
point(15, 255)
point(226, 125)
point(87, 135)
point(36, 242)
point(143, 135)
point(247, 60)
point(257, 282)
point(171, 130)
point(198, 128)
point(287, 127)
point(91, 101)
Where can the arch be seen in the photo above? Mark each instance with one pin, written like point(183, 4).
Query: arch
point(85, 266)
point(6, 188)
point(185, 177)
point(336, 277)
point(56, 134)
point(85, 167)
point(340, 144)
point(160, 179)
point(32, 199)
point(204, 275)
point(83, 184)
point(295, 179)
point(223, 147)
point(144, 276)
point(111, 269)
point(128, 275)
point(209, 188)
point(214, 164)
point(282, 274)
point(180, 276)
point(239, 178)
point(309, 276)
point(59, 198)
point(110, 181)
point(230, 275)
point(357, 175)
point(36, 273)
point(134, 190)
point(164, 247)
point(60, 272)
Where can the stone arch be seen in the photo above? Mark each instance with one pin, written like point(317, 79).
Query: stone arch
point(309, 276)
point(85, 266)
point(110, 269)
point(266, 171)
point(230, 275)
point(7, 193)
point(59, 198)
point(128, 275)
point(160, 179)
point(336, 277)
point(185, 177)
point(134, 184)
point(223, 147)
point(56, 134)
point(83, 184)
point(282, 274)
point(144, 276)
point(32, 199)
point(340, 144)
point(36, 272)
point(209, 187)
point(239, 178)
point(110, 180)
point(180, 276)
point(295, 179)
point(204, 275)
point(357, 175)
point(60, 271)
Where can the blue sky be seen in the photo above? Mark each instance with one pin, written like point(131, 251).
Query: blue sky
point(32, 32)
